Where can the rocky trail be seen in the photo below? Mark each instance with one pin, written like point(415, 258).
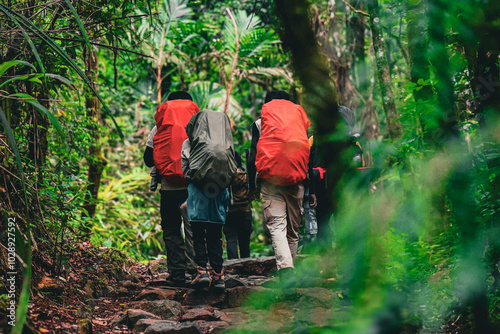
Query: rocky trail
point(103, 293)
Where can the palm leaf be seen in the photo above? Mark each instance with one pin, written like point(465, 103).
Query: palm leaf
point(176, 11)
point(273, 72)
point(28, 39)
point(8, 64)
point(22, 306)
point(50, 115)
point(64, 80)
point(23, 21)
point(256, 42)
point(29, 77)
point(80, 24)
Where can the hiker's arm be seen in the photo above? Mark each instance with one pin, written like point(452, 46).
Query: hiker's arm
point(251, 169)
point(148, 157)
point(148, 153)
point(185, 154)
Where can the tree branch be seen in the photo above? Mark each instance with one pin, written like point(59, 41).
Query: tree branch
point(234, 63)
point(104, 46)
point(354, 9)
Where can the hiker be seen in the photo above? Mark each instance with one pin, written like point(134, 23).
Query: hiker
point(318, 186)
point(238, 227)
point(310, 221)
point(163, 150)
point(208, 164)
point(278, 163)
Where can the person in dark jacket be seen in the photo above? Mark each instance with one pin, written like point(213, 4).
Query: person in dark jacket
point(318, 185)
point(238, 227)
point(205, 155)
point(180, 251)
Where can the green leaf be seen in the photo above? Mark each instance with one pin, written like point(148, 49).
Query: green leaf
point(52, 118)
point(22, 306)
point(8, 64)
point(80, 24)
point(52, 44)
point(12, 141)
point(31, 77)
point(64, 80)
point(23, 96)
point(28, 39)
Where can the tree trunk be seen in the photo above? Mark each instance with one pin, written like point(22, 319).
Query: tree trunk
point(96, 158)
point(443, 115)
point(320, 96)
point(418, 45)
point(382, 68)
point(355, 30)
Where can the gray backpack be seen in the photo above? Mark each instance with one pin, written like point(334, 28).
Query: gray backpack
point(212, 166)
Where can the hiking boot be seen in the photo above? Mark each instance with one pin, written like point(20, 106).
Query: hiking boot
point(218, 280)
point(201, 279)
point(176, 279)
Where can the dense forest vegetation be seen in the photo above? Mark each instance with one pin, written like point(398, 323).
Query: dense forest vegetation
point(416, 236)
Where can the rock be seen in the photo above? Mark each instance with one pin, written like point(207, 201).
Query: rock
point(156, 267)
point(251, 266)
point(84, 326)
point(211, 326)
point(129, 285)
point(168, 327)
point(121, 291)
point(49, 284)
point(119, 318)
point(157, 293)
point(233, 317)
point(218, 314)
point(237, 296)
point(166, 309)
point(233, 281)
point(320, 316)
point(317, 297)
point(257, 280)
point(157, 282)
point(198, 314)
point(210, 297)
point(135, 315)
point(143, 324)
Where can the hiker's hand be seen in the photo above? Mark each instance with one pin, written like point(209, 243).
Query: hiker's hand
point(313, 201)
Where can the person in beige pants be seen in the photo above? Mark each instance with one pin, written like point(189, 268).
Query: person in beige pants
point(278, 160)
point(283, 214)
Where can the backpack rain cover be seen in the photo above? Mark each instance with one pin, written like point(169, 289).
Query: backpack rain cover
point(211, 163)
point(283, 147)
point(171, 119)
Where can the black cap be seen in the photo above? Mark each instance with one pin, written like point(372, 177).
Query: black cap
point(277, 95)
point(179, 96)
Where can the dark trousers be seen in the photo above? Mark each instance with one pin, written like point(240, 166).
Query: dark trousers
point(180, 252)
point(207, 239)
point(323, 214)
point(237, 230)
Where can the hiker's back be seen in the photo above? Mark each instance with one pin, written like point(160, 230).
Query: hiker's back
point(212, 153)
point(171, 119)
point(283, 147)
point(239, 190)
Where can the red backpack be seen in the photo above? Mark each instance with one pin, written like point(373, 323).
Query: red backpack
point(283, 146)
point(171, 120)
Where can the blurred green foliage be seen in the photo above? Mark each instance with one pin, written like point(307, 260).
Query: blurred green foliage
point(415, 244)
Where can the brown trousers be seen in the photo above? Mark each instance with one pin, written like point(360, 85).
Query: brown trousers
point(283, 212)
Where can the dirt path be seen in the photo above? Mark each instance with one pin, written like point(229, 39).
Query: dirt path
point(100, 292)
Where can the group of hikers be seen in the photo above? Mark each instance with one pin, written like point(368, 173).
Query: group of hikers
point(205, 190)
